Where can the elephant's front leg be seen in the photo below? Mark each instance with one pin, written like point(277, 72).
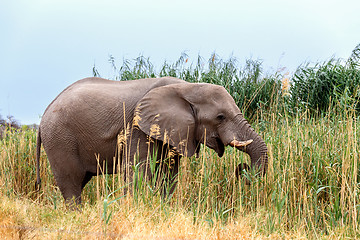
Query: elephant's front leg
point(135, 161)
point(149, 162)
point(170, 172)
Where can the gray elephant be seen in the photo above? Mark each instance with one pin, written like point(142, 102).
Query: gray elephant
point(95, 118)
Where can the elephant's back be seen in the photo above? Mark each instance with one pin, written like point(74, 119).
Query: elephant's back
point(90, 102)
point(111, 87)
point(119, 90)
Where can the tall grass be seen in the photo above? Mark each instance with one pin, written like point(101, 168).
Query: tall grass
point(312, 185)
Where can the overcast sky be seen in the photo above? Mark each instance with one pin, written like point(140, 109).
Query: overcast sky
point(47, 45)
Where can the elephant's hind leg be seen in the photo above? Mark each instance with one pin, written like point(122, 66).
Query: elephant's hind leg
point(70, 177)
point(71, 187)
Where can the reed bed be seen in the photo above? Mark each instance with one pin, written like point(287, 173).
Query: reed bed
point(311, 189)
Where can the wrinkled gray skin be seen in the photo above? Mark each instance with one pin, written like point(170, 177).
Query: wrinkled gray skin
point(84, 121)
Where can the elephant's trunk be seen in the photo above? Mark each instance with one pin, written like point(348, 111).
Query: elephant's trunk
point(258, 154)
point(252, 144)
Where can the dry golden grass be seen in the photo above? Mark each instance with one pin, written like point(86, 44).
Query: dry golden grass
point(26, 219)
point(310, 191)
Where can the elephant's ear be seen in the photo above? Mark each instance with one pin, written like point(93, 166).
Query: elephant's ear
point(164, 114)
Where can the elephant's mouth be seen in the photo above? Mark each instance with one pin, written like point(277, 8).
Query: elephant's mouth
point(220, 148)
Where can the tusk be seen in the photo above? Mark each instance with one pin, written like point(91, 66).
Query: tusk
point(236, 143)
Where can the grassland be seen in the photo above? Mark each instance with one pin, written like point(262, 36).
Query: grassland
point(311, 189)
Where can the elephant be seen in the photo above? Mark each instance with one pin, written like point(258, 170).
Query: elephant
point(96, 119)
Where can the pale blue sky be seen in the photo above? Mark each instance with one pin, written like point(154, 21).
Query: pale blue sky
point(47, 45)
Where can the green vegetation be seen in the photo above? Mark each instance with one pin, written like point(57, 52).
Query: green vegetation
point(311, 189)
point(334, 81)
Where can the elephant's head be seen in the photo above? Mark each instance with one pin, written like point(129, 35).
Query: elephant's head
point(187, 114)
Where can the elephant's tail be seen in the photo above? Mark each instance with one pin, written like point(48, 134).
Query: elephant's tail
point(38, 152)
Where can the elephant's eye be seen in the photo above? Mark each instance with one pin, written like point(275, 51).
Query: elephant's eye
point(220, 117)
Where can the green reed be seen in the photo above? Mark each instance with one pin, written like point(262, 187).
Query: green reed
point(312, 182)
